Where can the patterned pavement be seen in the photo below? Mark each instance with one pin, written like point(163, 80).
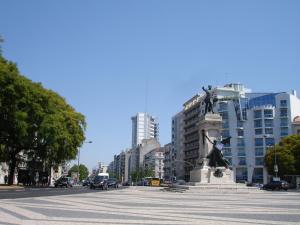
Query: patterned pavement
point(145, 205)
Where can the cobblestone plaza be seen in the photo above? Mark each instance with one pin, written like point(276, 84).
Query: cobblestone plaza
point(144, 205)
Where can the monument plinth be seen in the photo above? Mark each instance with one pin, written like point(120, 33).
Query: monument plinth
point(211, 167)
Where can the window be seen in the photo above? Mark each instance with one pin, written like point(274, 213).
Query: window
point(259, 142)
point(283, 122)
point(269, 123)
point(224, 115)
point(240, 124)
point(270, 142)
point(284, 131)
point(241, 152)
point(259, 161)
point(258, 175)
point(259, 151)
point(241, 174)
point(225, 133)
point(223, 106)
point(240, 142)
point(242, 161)
point(257, 123)
point(283, 103)
point(258, 131)
point(268, 113)
point(227, 152)
point(244, 114)
point(269, 131)
point(225, 124)
point(257, 114)
point(283, 112)
point(240, 133)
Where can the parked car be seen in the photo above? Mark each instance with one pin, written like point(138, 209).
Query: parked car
point(99, 182)
point(87, 181)
point(113, 182)
point(276, 185)
point(64, 182)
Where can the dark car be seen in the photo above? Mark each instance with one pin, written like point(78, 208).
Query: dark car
point(113, 182)
point(99, 182)
point(276, 185)
point(64, 182)
point(87, 181)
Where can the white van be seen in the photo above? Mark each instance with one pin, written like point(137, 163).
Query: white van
point(104, 175)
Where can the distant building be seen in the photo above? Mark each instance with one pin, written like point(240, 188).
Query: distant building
point(155, 160)
point(138, 153)
point(296, 125)
point(102, 168)
point(177, 153)
point(167, 162)
point(144, 126)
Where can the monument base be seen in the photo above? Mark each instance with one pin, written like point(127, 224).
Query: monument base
point(207, 175)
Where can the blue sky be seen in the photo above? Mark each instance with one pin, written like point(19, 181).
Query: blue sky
point(99, 55)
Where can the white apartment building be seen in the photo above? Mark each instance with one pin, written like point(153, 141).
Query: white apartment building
point(144, 126)
point(255, 121)
point(155, 160)
point(138, 153)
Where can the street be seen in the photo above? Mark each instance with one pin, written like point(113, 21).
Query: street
point(146, 205)
point(42, 192)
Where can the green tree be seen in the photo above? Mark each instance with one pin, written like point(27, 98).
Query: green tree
point(287, 156)
point(142, 173)
point(35, 123)
point(83, 171)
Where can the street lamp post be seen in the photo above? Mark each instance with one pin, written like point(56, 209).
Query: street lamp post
point(78, 160)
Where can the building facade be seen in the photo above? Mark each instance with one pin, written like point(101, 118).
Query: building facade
point(144, 126)
point(138, 153)
point(255, 121)
point(177, 153)
point(167, 162)
point(296, 125)
point(155, 160)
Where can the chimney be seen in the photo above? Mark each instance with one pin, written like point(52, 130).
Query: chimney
point(294, 92)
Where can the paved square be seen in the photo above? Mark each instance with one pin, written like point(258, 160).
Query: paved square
point(145, 205)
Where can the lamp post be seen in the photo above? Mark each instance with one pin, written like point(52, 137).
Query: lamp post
point(87, 142)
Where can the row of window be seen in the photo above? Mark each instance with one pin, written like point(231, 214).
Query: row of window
point(241, 152)
point(269, 113)
point(268, 141)
point(259, 161)
point(267, 123)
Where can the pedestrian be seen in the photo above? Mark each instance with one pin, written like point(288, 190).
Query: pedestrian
point(5, 179)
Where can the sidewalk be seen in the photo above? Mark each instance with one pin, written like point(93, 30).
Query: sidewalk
point(11, 187)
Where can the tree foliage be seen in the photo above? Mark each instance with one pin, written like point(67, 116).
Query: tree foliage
point(141, 173)
point(35, 123)
point(287, 156)
point(83, 171)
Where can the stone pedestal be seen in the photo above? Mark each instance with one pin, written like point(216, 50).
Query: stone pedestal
point(210, 126)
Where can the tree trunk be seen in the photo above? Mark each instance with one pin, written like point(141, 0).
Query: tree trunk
point(12, 167)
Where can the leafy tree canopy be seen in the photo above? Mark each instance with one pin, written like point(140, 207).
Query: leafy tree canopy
point(83, 171)
point(287, 156)
point(35, 122)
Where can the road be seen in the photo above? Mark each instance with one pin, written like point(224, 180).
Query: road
point(41, 192)
point(146, 205)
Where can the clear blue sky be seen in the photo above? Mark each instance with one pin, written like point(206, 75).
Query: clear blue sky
point(99, 54)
